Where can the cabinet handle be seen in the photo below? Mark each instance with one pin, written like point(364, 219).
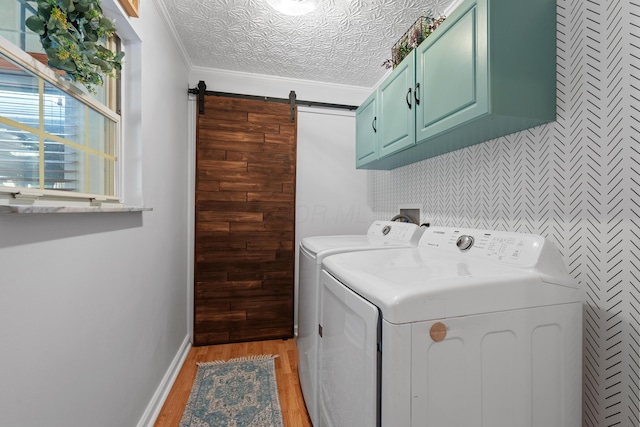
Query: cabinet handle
point(373, 124)
point(408, 98)
point(416, 93)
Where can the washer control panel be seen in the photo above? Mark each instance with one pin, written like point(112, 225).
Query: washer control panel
point(395, 231)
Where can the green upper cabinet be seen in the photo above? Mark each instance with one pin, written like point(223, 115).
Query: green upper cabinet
point(366, 131)
point(396, 119)
point(451, 75)
point(489, 70)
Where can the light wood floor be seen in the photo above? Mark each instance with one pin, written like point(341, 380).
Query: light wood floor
point(294, 413)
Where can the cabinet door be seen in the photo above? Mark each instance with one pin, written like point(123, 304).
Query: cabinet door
point(366, 132)
point(397, 117)
point(451, 72)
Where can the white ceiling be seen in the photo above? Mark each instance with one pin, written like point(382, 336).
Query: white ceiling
point(343, 41)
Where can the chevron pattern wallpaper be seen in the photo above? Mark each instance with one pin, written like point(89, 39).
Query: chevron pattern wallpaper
point(575, 181)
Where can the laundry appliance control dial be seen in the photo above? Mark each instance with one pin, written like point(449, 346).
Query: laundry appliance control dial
point(464, 243)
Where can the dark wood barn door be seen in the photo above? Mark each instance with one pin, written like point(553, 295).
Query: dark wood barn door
point(245, 216)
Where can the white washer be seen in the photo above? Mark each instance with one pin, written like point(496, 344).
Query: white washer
point(381, 235)
point(436, 336)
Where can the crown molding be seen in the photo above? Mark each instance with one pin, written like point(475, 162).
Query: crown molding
point(164, 14)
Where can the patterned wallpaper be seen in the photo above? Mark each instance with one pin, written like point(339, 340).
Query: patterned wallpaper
point(575, 181)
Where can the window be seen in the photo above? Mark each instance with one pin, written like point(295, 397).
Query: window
point(56, 141)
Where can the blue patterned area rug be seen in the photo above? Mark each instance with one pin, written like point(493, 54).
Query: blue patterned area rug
point(238, 393)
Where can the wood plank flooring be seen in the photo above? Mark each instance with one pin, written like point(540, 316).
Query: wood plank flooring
point(294, 412)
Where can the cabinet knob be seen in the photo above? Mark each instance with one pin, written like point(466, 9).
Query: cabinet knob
point(408, 99)
point(373, 124)
point(416, 94)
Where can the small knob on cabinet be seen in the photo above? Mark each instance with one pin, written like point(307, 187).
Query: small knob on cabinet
point(464, 243)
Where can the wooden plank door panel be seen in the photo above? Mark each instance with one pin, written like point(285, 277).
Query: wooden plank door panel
point(245, 218)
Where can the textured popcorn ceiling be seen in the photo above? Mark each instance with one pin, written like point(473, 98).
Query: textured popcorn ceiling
point(343, 41)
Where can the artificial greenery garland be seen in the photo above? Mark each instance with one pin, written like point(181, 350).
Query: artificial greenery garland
point(71, 32)
point(416, 34)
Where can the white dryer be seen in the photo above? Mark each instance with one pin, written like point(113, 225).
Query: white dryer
point(472, 328)
point(381, 235)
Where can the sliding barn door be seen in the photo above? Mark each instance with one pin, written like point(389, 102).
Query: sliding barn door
point(245, 217)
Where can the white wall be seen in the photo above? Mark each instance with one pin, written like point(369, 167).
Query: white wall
point(331, 195)
point(93, 307)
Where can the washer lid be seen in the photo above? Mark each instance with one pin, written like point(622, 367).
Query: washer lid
point(418, 284)
point(381, 234)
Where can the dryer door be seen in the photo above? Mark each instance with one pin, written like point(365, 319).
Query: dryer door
point(308, 340)
point(348, 357)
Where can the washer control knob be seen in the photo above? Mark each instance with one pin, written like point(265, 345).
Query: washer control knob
point(386, 230)
point(464, 243)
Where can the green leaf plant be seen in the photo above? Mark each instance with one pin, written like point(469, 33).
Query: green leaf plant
point(72, 33)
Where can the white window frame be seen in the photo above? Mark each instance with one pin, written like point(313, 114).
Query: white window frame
point(128, 169)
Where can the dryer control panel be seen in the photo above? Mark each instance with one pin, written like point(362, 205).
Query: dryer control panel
point(506, 247)
point(528, 251)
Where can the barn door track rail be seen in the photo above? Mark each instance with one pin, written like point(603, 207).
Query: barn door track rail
point(201, 91)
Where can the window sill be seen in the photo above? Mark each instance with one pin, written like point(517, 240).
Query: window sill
point(37, 209)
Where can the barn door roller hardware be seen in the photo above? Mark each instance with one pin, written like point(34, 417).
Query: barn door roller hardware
point(292, 103)
point(201, 91)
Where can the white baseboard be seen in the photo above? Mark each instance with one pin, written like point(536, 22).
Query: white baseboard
point(155, 405)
